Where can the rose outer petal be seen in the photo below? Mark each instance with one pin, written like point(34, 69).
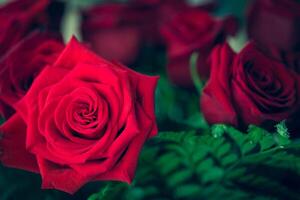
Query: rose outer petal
point(12, 144)
point(216, 102)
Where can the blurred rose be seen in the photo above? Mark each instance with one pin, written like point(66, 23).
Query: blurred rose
point(275, 22)
point(22, 64)
point(193, 30)
point(166, 10)
point(18, 18)
point(118, 31)
point(248, 88)
point(114, 31)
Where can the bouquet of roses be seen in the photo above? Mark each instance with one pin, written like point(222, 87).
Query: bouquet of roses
point(150, 99)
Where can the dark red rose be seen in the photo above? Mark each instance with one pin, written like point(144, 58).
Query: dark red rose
point(275, 26)
point(83, 119)
point(291, 60)
point(18, 18)
point(275, 22)
point(20, 66)
point(193, 30)
point(248, 88)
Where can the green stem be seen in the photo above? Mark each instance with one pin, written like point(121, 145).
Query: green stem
point(194, 72)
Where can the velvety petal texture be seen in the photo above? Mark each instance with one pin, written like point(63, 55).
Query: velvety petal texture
point(193, 30)
point(20, 66)
point(83, 119)
point(248, 88)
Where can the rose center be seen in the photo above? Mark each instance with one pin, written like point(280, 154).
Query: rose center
point(87, 113)
point(84, 116)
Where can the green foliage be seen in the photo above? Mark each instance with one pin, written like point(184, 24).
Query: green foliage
point(224, 163)
point(177, 108)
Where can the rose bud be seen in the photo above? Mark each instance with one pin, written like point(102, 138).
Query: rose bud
point(193, 30)
point(22, 64)
point(18, 18)
point(83, 119)
point(275, 22)
point(248, 88)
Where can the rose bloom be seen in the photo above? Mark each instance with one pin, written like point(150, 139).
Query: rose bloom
point(193, 30)
point(275, 22)
point(118, 31)
point(248, 88)
point(18, 18)
point(114, 31)
point(274, 25)
point(161, 11)
point(20, 66)
point(83, 119)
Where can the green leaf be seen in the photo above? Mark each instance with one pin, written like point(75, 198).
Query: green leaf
point(187, 191)
point(223, 149)
point(179, 177)
point(213, 174)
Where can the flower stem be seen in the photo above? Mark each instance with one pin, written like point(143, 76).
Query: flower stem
point(194, 72)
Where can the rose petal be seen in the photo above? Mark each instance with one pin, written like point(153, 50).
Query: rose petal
point(216, 101)
point(13, 146)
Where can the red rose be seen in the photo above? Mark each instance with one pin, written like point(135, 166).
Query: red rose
point(83, 119)
point(118, 31)
point(22, 64)
point(163, 11)
point(18, 18)
point(275, 22)
point(248, 88)
point(193, 30)
point(114, 31)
